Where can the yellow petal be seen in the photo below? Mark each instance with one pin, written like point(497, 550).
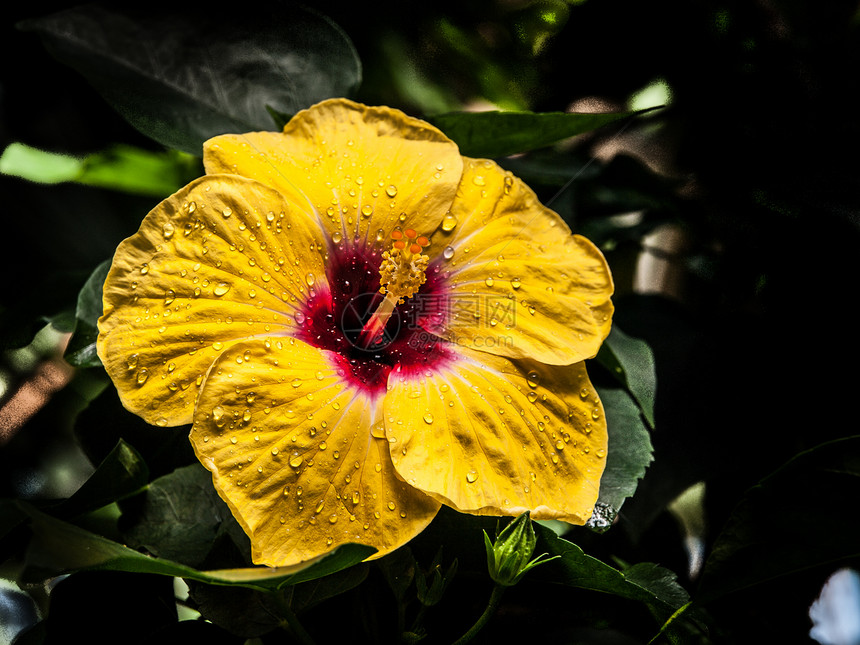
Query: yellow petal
point(293, 452)
point(361, 170)
point(489, 436)
point(520, 284)
point(220, 261)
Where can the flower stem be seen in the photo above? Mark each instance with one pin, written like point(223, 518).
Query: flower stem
point(492, 605)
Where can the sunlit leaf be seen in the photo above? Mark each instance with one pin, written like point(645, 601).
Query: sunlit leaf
point(498, 134)
point(121, 167)
point(19, 160)
point(58, 548)
point(182, 77)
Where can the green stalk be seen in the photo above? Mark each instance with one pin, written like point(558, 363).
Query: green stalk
point(492, 605)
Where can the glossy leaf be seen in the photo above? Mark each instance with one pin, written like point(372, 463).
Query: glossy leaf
point(630, 450)
point(648, 583)
point(183, 77)
point(631, 362)
point(499, 134)
point(81, 350)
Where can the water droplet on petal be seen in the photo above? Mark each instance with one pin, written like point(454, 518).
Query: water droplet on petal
point(310, 278)
point(533, 379)
point(583, 393)
point(391, 191)
point(337, 237)
point(515, 283)
point(428, 418)
point(221, 288)
point(167, 230)
point(227, 212)
point(448, 253)
point(142, 375)
point(296, 461)
point(449, 222)
point(472, 476)
point(367, 210)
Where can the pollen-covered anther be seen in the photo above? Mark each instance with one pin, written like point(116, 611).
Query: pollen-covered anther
point(403, 268)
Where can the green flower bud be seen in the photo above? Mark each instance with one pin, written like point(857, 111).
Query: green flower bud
point(509, 558)
point(432, 584)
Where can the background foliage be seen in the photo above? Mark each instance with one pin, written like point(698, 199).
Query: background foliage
point(750, 164)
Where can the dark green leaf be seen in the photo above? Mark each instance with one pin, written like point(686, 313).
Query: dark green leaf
point(630, 450)
point(81, 350)
point(648, 583)
point(313, 592)
point(58, 548)
point(182, 77)
point(121, 474)
point(499, 134)
point(797, 518)
point(631, 361)
point(181, 517)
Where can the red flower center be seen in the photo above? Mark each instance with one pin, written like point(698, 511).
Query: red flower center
point(333, 319)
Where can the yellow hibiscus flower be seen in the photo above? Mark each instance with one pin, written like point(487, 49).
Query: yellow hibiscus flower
point(362, 325)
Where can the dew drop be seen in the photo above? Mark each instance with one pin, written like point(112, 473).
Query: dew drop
point(595, 414)
point(472, 476)
point(583, 393)
point(142, 375)
point(167, 230)
point(391, 191)
point(367, 210)
point(515, 283)
point(449, 222)
point(390, 506)
point(532, 397)
point(428, 418)
point(533, 379)
point(448, 252)
point(332, 518)
point(227, 212)
point(310, 278)
point(221, 288)
point(132, 361)
point(296, 461)
point(479, 180)
point(489, 282)
point(337, 237)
